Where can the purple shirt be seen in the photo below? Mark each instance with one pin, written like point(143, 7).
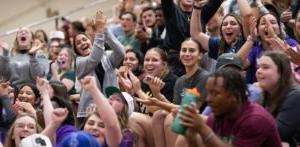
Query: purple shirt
point(63, 131)
point(127, 140)
point(254, 127)
point(256, 53)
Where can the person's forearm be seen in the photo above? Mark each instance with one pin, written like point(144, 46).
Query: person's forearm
point(108, 115)
point(245, 50)
point(210, 139)
point(141, 94)
point(246, 13)
point(166, 106)
point(47, 108)
point(86, 65)
point(50, 131)
point(118, 49)
point(195, 25)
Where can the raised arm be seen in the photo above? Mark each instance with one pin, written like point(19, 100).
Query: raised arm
point(86, 65)
point(118, 49)
point(43, 86)
point(195, 25)
point(247, 46)
point(113, 134)
point(246, 14)
point(57, 116)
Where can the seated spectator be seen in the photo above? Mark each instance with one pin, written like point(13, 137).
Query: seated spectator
point(235, 121)
point(281, 95)
point(93, 60)
point(58, 36)
point(26, 61)
point(62, 69)
point(128, 23)
point(114, 113)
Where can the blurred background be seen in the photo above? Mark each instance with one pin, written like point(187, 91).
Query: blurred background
point(46, 14)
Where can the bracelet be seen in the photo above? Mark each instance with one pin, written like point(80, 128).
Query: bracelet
point(209, 136)
point(197, 7)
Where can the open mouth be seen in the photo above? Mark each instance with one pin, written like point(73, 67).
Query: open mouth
point(85, 47)
point(23, 39)
point(229, 34)
point(266, 32)
point(61, 62)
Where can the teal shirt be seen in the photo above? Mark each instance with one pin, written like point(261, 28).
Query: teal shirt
point(130, 41)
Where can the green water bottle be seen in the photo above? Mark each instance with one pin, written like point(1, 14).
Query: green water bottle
point(190, 96)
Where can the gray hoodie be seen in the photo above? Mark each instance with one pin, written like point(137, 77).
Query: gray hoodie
point(86, 66)
point(24, 68)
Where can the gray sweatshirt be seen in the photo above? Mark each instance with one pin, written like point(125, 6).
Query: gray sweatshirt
point(86, 66)
point(25, 68)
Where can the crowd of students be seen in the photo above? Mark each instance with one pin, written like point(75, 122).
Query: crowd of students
point(120, 82)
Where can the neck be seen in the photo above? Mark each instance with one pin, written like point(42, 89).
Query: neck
point(191, 70)
point(128, 33)
point(235, 112)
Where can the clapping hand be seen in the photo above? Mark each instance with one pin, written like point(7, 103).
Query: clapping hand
point(124, 78)
point(23, 107)
point(35, 47)
point(294, 54)
point(100, 21)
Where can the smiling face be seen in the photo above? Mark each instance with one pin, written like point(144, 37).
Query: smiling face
point(83, 45)
point(153, 63)
point(218, 98)
point(267, 74)
point(64, 59)
point(26, 94)
point(24, 127)
point(148, 18)
point(262, 26)
point(95, 126)
point(131, 61)
point(24, 38)
point(231, 30)
point(190, 53)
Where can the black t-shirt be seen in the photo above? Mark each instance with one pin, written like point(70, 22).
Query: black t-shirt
point(287, 117)
point(167, 90)
point(177, 24)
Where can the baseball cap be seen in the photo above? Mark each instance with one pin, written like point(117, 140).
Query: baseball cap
point(36, 140)
point(79, 139)
point(56, 35)
point(229, 59)
point(128, 98)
